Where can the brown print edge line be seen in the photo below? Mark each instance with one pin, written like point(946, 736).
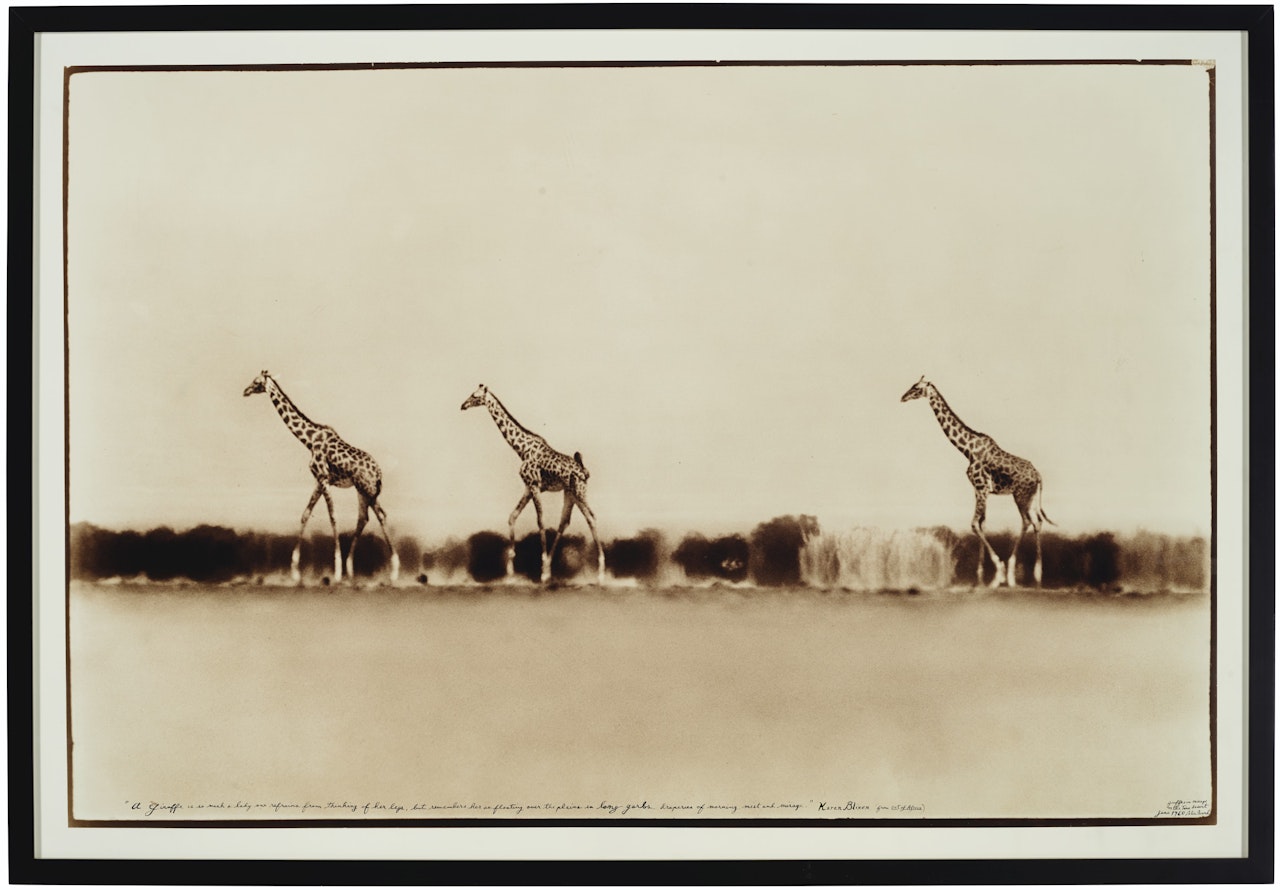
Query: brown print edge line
point(66, 427)
point(1213, 445)
point(674, 63)
point(374, 66)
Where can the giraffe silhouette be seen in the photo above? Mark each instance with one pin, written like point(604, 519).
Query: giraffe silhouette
point(333, 463)
point(992, 470)
point(542, 468)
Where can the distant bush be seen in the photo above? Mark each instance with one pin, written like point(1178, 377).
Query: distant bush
point(640, 557)
point(571, 556)
point(1101, 560)
point(410, 553)
point(775, 549)
point(726, 558)
point(211, 554)
point(487, 556)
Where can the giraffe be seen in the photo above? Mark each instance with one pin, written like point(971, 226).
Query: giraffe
point(992, 470)
point(333, 463)
point(542, 468)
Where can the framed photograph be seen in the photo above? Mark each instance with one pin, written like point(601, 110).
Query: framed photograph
point(808, 439)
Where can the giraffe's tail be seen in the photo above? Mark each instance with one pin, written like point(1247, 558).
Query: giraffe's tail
point(577, 458)
point(1040, 507)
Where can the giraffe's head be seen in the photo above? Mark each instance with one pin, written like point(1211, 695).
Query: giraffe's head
point(477, 398)
point(919, 390)
point(258, 385)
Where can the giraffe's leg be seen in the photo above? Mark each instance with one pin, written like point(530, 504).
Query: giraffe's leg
point(294, 573)
point(565, 511)
point(511, 524)
point(386, 534)
point(1038, 571)
point(979, 516)
point(337, 545)
point(545, 573)
point(1013, 556)
point(361, 519)
point(591, 524)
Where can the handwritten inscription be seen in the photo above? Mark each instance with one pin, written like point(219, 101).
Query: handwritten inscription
point(345, 809)
point(1185, 809)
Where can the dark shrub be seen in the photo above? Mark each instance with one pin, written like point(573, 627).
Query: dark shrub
point(638, 557)
point(372, 554)
point(775, 549)
point(730, 558)
point(486, 556)
point(571, 556)
point(694, 556)
point(317, 553)
point(161, 559)
point(1063, 563)
point(410, 553)
point(528, 557)
point(83, 542)
point(210, 554)
point(1101, 560)
point(275, 553)
point(126, 556)
point(98, 553)
point(727, 558)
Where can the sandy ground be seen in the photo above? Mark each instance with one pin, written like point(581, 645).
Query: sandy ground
point(261, 702)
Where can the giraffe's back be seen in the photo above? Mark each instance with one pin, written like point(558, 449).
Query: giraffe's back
point(556, 471)
point(350, 466)
point(1009, 473)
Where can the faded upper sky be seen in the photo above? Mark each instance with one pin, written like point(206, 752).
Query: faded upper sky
point(715, 283)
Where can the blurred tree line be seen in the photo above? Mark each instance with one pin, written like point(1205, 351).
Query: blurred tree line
point(769, 556)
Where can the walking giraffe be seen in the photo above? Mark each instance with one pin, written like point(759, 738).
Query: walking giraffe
point(542, 468)
point(333, 463)
point(992, 470)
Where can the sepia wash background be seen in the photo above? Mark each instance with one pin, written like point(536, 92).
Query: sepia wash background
point(713, 282)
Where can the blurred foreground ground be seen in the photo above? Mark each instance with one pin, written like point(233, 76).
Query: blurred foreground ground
point(723, 702)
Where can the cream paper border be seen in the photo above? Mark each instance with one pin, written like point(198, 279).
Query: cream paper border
point(54, 839)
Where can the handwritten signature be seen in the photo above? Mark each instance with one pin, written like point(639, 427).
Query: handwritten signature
point(1185, 809)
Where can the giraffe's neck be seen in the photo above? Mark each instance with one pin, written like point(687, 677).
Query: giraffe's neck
point(297, 422)
point(519, 438)
point(957, 433)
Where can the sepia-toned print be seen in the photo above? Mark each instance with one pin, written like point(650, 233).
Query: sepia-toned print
point(712, 294)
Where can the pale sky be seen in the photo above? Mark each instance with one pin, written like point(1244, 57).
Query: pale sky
point(715, 283)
